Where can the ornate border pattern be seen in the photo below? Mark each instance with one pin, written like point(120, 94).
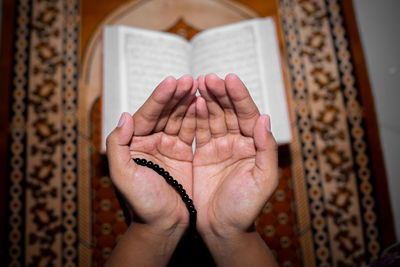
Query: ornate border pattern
point(357, 126)
point(70, 94)
point(333, 146)
point(17, 136)
point(45, 90)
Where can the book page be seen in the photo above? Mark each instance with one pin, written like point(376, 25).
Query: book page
point(229, 49)
point(149, 57)
point(135, 61)
point(249, 49)
point(274, 81)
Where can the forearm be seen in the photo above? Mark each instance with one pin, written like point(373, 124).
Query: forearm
point(240, 249)
point(142, 245)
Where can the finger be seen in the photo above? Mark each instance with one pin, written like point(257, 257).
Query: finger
point(216, 87)
point(246, 111)
point(183, 87)
point(118, 143)
point(176, 117)
point(266, 161)
point(188, 127)
point(148, 114)
point(203, 133)
point(215, 112)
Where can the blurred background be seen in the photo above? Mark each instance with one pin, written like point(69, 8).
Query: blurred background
point(379, 29)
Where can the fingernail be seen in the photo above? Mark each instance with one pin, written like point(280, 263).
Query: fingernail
point(268, 122)
point(121, 120)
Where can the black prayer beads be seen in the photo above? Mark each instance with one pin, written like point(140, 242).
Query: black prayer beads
point(177, 186)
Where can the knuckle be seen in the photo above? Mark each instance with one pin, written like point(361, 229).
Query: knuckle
point(249, 114)
point(109, 140)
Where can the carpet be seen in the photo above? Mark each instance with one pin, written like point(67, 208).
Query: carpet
point(61, 209)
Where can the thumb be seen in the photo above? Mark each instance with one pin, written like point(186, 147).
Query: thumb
point(266, 162)
point(118, 141)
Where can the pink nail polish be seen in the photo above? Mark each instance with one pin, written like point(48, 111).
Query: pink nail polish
point(121, 120)
point(268, 122)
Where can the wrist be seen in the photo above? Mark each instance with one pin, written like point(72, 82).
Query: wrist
point(216, 230)
point(225, 236)
point(160, 239)
point(168, 232)
point(239, 248)
point(145, 245)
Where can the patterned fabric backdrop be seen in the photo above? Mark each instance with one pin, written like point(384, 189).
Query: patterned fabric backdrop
point(324, 212)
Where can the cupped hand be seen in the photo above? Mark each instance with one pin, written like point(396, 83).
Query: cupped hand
point(235, 163)
point(161, 131)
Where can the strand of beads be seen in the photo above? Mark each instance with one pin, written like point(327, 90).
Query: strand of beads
point(177, 186)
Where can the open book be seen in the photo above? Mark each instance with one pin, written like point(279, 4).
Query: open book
point(137, 60)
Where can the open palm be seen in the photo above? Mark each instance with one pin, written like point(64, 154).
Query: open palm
point(234, 166)
point(230, 177)
point(161, 131)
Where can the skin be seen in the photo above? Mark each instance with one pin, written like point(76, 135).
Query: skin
point(234, 169)
point(162, 131)
point(230, 177)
